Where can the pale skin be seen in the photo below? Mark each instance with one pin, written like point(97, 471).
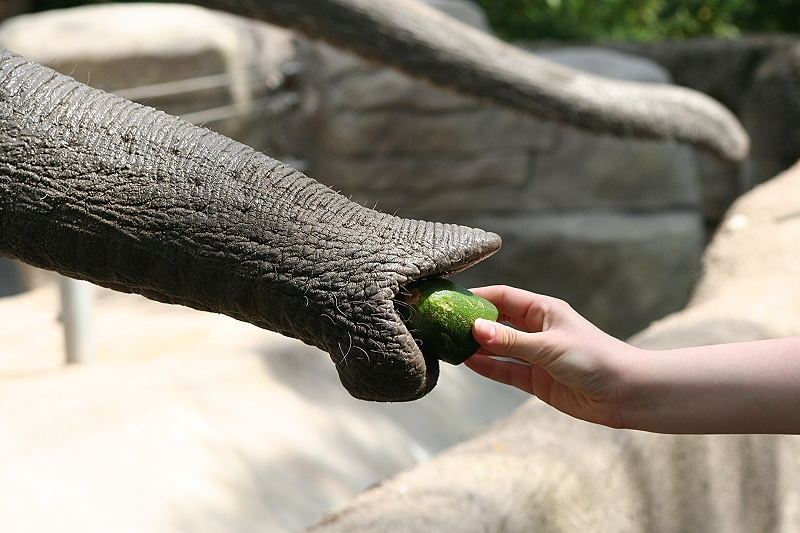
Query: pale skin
point(559, 356)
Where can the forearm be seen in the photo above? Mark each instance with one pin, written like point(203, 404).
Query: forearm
point(751, 387)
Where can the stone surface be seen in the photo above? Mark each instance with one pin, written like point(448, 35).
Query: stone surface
point(609, 63)
point(11, 281)
point(749, 288)
point(584, 171)
point(380, 129)
point(539, 469)
point(622, 270)
point(752, 76)
point(190, 421)
point(613, 225)
point(205, 66)
point(720, 184)
point(721, 68)
point(417, 132)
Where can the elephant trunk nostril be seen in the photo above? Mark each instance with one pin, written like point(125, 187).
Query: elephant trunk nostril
point(406, 370)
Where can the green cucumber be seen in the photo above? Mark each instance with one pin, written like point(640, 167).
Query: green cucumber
point(439, 314)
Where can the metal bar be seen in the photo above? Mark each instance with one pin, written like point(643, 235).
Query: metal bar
point(76, 307)
point(273, 105)
point(172, 88)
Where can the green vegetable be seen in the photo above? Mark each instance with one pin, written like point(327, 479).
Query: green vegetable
point(440, 313)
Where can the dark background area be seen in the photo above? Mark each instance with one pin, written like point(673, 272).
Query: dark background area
point(646, 20)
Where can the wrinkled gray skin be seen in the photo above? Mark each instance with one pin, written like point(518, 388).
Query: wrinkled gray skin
point(99, 188)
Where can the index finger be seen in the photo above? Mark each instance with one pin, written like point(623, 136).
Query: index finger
point(524, 309)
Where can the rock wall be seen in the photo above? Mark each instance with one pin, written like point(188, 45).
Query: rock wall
point(758, 78)
point(207, 67)
point(614, 226)
point(540, 470)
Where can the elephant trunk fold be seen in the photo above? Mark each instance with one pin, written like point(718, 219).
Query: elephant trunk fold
point(99, 188)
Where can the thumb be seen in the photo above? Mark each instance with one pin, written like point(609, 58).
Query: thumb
point(502, 340)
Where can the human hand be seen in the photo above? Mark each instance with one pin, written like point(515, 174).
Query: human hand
point(561, 357)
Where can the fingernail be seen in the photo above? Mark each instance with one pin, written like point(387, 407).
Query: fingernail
point(485, 328)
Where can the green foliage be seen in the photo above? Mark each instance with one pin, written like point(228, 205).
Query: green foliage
point(645, 20)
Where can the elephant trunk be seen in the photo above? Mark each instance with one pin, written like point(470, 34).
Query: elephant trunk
point(99, 188)
point(424, 42)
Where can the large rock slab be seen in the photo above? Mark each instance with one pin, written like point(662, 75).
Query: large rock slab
point(621, 270)
point(541, 470)
point(754, 77)
point(190, 421)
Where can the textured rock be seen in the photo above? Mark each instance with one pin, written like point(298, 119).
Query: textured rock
point(584, 171)
point(721, 68)
point(418, 132)
point(380, 129)
point(720, 185)
point(427, 153)
point(607, 62)
point(750, 75)
point(206, 66)
point(191, 421)
point(749, 288)
point(622, 270)
point(11, 280)
point(771, 112)
point(540, 470)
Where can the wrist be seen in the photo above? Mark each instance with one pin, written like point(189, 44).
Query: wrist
point(637, 404)
point(731, 388)
point(665, 394)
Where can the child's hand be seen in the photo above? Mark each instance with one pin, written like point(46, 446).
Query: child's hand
point(564, 359)
point(746, 387)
